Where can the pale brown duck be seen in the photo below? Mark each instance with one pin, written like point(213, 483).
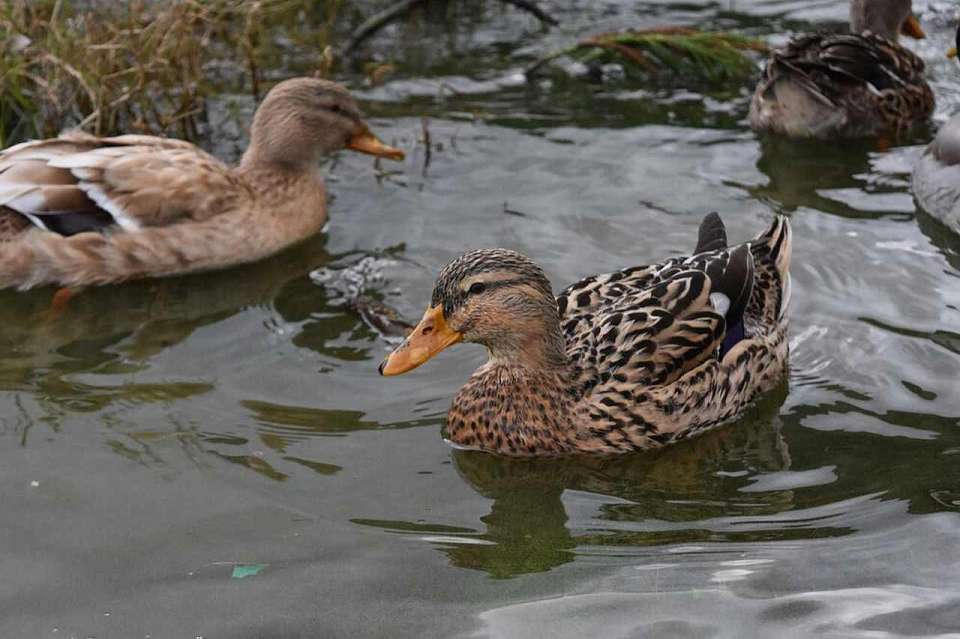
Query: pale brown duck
point(629, 360)
point(83, 210)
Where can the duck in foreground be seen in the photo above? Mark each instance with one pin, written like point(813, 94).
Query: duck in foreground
point(83, 210)
point(936, 175)
point(629, 360)
point(848, 85)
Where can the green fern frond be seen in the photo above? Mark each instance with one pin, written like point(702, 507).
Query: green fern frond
point(712, 55)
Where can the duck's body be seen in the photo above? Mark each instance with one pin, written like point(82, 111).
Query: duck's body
point(936, 175)
point(860, 84)
point(83, 210)
point(624, 361)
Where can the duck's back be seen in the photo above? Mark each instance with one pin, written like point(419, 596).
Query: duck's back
point(936, 176)
point(708, 330)
point(841, 85)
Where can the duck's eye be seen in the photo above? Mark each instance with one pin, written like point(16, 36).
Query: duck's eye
point(336, 108)
point(477, 288)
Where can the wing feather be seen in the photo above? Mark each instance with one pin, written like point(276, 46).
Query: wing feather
point(79, 182)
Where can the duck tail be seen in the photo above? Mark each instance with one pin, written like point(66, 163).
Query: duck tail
point(713, 234)
point(771, 253)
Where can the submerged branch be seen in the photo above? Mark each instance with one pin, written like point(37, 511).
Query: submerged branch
point(381, 19)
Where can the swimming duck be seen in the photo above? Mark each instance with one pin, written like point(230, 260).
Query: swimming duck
point(83, 210)
point(629, 360)
point(936, 175)
point(846, 85)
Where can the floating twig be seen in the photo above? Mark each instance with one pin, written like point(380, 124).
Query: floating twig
point(535, 9)
point(426, 144)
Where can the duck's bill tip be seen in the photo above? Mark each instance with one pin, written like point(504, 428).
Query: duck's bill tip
point(431, 336)
point(952, 53)
point(366, 142)
point(911, 27)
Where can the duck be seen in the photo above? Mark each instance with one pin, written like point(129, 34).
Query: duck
point(936, 173)
point(853, 85)
point(81, 210)
point(630, 360)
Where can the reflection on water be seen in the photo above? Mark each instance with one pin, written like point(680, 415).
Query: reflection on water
point(238, 417)
point(639, 500)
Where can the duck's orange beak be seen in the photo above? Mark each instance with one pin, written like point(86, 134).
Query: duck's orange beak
point(911, 27)
point(431, 336)
point(952, 53)
point(365, 141)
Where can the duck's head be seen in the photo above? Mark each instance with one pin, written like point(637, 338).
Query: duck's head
point(303, 119)
point(887, 18)
point(495, 297)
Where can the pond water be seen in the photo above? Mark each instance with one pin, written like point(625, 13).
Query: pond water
point(216, 456)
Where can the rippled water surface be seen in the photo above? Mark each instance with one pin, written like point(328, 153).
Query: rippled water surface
point(159, 441)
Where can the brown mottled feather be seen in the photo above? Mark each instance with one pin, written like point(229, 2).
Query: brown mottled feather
point(846, 85)
point(12, 225)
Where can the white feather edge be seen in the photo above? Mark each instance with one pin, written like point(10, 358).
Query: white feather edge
point(720, 303)
point(786, 294)
point(102, 200)
point(23, 200)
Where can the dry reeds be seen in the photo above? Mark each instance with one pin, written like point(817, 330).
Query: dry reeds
point(139, 66)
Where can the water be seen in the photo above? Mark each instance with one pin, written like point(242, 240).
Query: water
point(160, 436)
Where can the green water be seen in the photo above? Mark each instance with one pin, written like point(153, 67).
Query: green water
point(216, 456)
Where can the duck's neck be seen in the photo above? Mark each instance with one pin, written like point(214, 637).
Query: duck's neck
point(867, 15)
point(278, 150)
point(538, 345)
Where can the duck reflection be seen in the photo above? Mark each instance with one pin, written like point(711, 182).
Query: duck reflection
point(942, 237)
point(815, 174)
point(528, 528)
point(147, 316)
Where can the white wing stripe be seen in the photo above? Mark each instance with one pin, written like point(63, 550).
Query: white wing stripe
point(97, 194)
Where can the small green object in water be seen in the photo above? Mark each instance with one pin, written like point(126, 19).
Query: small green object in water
point(248, 570)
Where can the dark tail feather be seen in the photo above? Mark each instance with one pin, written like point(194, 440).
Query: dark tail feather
point(713, 235)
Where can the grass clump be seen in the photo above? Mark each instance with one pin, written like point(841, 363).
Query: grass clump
point(712, 56)
point(141, 66)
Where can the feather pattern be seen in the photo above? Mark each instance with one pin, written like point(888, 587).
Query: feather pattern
point(645, 365)
point(841, 85)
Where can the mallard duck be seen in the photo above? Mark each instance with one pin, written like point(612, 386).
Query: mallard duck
point(629, 360)
point(936, 175)
point(80, 210)
point(847, 85)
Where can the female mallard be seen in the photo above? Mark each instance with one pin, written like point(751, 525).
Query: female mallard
point(850, 85)
point(936, 175)
point(629, 360)
point(79, 209)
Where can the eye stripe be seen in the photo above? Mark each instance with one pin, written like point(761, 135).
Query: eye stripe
point(499, 284)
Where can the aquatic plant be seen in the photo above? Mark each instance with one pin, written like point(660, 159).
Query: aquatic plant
point(712, 56)
point(139, 66)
